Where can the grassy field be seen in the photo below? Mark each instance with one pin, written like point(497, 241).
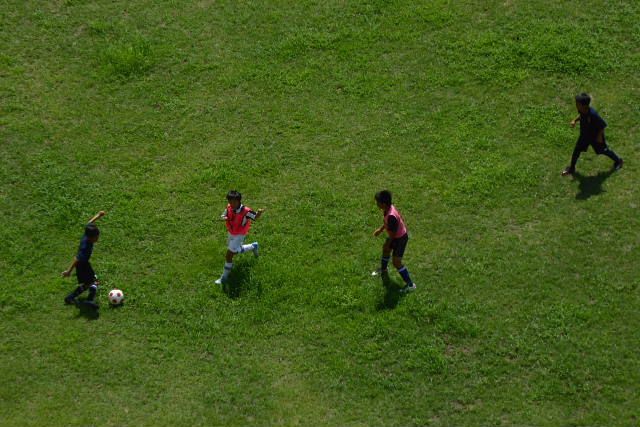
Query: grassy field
point(527, 307)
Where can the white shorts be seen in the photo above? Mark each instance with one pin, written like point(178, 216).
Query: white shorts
point(234, 242)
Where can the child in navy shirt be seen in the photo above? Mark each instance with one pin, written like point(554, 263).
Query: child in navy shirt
point(84, 272)
point(591, 134)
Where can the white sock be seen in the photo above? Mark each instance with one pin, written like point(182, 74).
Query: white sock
point(227, 269)
point(247, 248)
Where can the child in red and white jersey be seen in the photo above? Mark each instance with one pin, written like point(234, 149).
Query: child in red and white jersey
point(238, 218)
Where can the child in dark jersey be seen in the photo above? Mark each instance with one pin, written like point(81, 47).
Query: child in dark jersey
point(84, 272)
point(591, 134)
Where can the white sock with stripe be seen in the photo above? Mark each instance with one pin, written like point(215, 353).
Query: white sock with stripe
point(227, 269)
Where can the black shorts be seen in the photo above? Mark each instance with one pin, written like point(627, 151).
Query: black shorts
point(85, 273)
point(398, 245)
point(598, 148)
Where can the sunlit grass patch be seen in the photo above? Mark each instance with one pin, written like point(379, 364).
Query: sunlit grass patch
point(127, 58)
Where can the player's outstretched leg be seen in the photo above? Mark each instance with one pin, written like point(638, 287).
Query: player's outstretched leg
point(71, 298)
point(253, 247)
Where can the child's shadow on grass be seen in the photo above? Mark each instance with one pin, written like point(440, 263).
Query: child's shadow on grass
point(87, 310)
point(239, 282)
point(590, 185)
point(391, 295)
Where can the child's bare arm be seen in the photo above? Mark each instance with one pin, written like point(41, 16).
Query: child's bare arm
point(67, 273)
point(97, 217)
point(574, 121)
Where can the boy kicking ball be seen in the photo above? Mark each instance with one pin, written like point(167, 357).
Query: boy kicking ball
point(238, 219)
point(84, 272)
point(396, 241)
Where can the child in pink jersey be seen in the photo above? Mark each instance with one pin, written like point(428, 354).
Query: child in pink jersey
point(238, 218)
point(396, 241)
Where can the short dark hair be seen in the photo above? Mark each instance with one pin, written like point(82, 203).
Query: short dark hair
point(384, 196)
point(91, 230)
point(583, 98)
point(234, 195)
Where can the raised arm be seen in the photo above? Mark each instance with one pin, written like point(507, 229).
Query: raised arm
point(97, 217)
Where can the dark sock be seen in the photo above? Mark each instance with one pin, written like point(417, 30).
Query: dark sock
point(405, 275)
point(92, 293)
point(610, 154)
point(574, 158)
point(384, 263)
point(75, 293)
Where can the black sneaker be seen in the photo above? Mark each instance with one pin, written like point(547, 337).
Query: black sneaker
point(568, 171)
point(69, 300)
point(618, 165)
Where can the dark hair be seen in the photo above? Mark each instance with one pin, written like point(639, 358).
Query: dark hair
point(91, 231)
point(384, 197)
point(234, 195)
point(583, 99)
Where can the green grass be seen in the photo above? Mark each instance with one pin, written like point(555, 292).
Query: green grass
point(526, 311)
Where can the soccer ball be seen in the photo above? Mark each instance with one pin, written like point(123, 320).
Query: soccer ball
point(116, 297)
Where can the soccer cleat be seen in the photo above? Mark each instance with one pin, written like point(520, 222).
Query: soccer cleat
point(220, 281)
point(568, 171)
point(256, 249)
point(69, 300)
point(411, 287)
point(379, 272)
point(618, 165)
